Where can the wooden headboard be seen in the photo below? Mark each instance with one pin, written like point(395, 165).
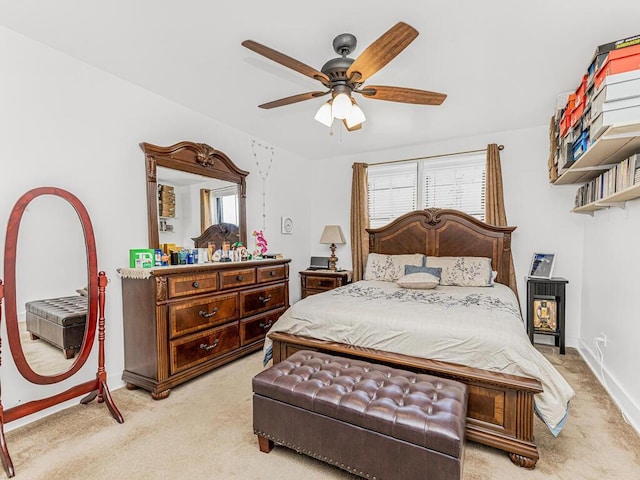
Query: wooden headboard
point(218, 233)
point(445, 233)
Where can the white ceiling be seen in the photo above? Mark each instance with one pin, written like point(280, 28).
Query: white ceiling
point(502, 63)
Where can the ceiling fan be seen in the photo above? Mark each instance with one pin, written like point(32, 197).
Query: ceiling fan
point(343, 76)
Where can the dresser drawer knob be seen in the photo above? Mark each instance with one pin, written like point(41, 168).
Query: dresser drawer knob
point(272, 273)
point(239, 278)
point(265, 300)
point(206, 347)
point(264, 326)
point(207, 315)
point(196, 285)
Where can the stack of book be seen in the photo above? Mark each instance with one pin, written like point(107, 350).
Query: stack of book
point(166, 201)
point(619, 177)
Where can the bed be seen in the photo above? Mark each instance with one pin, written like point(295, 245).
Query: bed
point(501, 402)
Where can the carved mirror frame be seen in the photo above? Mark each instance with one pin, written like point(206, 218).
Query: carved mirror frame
point(198, 158)
point(96, 285)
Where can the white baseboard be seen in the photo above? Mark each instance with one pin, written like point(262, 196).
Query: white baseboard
point(625, 403)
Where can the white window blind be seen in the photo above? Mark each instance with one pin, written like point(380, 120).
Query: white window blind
point(392, 191)
point(447, 182)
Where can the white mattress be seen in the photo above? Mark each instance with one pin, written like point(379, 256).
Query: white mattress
point(480, 327)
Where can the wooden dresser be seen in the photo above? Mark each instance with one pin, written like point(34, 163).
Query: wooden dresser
point(182, 321)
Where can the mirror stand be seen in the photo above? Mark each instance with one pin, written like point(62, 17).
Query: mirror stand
point(95, 320)
point(96, 388)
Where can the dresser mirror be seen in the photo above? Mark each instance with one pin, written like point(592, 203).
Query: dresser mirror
point(49, 252)
point(195, 195)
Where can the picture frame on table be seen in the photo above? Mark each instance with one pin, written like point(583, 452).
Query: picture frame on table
point(542, 265)
point(545, 314)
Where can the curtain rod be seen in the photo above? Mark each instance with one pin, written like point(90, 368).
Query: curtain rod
point(500, 147)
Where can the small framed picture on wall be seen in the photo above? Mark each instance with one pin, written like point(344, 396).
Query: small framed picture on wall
point(542, 265)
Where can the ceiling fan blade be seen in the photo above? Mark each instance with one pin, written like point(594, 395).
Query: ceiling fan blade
point(402, 95)
point(293, 99)
point(287, 61)
point(382, 51)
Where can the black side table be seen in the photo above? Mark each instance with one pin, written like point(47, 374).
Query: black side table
point(546, 308)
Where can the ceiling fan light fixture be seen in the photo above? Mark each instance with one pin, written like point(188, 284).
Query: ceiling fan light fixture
point(355, 117)
point(323, 115)
point(341, 106)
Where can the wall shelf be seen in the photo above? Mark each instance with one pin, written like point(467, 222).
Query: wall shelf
point(617, 199)
point(614, 145)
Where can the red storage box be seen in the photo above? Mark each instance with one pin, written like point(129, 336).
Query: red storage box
point(581, 92)
point(619, 61)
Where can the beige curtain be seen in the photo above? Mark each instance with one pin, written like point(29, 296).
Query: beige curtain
point(494, 200)
point(205, 209)
point(359, 220)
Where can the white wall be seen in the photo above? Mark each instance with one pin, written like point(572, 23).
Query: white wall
point(66, 124)
point(610, 301)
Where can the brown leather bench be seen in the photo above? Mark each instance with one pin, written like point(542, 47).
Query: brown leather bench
point(59, 321)
point(370, 420)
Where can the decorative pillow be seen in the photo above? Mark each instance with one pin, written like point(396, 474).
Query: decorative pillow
point(83, 291)
point(421, 280)
point(389, 268)
point(463, 271)
point(437, 272)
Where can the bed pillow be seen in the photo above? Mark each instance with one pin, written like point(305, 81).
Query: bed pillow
point(437, 272)
point(83, 291)
point(389, 268)
point(463, 271)
point(419, 280)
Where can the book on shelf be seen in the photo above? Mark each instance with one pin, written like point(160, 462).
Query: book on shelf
point(619, 177)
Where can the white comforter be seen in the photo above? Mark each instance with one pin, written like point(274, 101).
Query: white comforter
point(479, 327)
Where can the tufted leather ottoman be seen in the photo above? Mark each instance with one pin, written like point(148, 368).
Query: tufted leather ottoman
point(59, 321)
point(371, 420)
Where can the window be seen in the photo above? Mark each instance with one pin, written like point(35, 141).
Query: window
point(445, 182)
point(224, 202)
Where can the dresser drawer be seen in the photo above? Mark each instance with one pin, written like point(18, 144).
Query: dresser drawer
point(195, 349)
point(237, 278)
point(188, 317)
point(274, 272)
point(182, 285)
point(255, 328)
point(262, 299)
point(322, 283)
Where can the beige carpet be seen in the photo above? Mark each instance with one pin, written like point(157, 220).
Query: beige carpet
point(203, 431)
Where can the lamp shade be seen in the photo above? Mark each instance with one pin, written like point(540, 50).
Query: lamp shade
point(323, 114)
point(332, 234)
point(355, 117)
point(341, 106)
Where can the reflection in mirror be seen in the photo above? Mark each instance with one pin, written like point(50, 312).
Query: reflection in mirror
point(188, 204)
point(51, 266)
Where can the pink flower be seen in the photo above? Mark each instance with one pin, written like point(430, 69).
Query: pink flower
point(261, 242)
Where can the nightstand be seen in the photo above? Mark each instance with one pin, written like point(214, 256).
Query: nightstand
point(546, 308)
point(316, 281)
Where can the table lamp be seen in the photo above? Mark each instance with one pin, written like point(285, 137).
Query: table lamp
point(332, 234)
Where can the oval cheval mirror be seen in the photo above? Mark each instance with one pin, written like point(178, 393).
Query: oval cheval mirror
point(63, 296)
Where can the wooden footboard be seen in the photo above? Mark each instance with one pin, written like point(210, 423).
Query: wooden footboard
point(500, 409)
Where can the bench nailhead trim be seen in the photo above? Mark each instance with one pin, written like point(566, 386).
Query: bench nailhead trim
point(299, 449)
